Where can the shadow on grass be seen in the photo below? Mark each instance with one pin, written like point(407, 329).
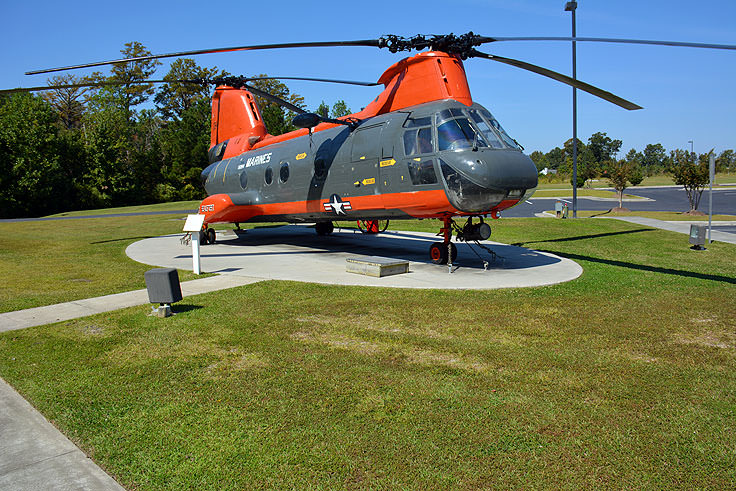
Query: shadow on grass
point(582, 237)
point(643, 267)
point(180, 308)
point(122, 238)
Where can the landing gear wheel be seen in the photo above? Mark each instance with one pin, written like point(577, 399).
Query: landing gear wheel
point(324, 228)
point(372, 226)
point(203, 239)
point(211, 235)
point(438, 252)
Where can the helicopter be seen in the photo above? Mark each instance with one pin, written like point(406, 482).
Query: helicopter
point(423, 148)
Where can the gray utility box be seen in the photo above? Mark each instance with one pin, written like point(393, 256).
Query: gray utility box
point(377, 266)
point(697, 235)
point(163, 285)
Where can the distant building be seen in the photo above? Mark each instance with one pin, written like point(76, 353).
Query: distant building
point(547, 170)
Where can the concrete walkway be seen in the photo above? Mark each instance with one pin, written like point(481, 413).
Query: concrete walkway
point(34, 455)
point(682, 227)
point(39, 316)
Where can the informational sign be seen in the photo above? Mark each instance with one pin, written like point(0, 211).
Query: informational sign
point(194, 223)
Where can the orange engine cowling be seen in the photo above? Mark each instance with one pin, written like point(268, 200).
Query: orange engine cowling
point(235, 115)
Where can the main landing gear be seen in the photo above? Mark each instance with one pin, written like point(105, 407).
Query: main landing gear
point(324, 228)
point(207, 236)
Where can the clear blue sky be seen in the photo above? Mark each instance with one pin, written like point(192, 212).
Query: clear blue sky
point(687, 94)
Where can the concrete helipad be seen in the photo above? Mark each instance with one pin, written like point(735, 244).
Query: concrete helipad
point(297, 253)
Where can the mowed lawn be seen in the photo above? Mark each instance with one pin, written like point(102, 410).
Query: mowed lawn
point(625, 377)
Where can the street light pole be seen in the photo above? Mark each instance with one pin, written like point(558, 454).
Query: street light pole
point(571, 7)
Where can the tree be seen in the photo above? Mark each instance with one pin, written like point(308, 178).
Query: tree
point(174, 98)
point(33, 177)
point(586, 167)
point(620, 173)
point(636, 175)
point(726, 161)
point(68, 102)
point(340, 109)
point(184, 144)
point(539, 159)
point(654, 159)
point(556, 158)
point(323, 110)
point(129, 92)
point(689, 174)
point(602, 148)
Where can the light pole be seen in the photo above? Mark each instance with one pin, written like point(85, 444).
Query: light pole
point(571, 7)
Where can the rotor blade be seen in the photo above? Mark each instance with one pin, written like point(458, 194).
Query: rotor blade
point(87, 84)
point(561, 78)
point(317, 44)
point(328, 80)
point(274, 99)
point(614, 40)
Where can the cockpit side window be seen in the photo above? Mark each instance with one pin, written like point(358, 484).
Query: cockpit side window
point(418, 141)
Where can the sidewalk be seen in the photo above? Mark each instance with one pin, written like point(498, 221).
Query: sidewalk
point(34, 455)
point(681, 227)
point(39, 316)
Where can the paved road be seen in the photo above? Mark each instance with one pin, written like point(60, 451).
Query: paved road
point(659, 199)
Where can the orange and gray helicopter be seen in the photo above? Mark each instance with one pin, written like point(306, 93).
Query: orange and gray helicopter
point(422, 149)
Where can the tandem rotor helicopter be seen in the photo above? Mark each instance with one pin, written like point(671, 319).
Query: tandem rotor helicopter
point(423, 148)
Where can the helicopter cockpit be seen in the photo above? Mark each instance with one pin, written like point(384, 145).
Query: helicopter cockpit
point(481, 165)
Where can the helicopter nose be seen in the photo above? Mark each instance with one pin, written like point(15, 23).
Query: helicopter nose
point(507, 170)
point(477, 181)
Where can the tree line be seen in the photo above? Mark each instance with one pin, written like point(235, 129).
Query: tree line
point(598, 157)
point(94, 147)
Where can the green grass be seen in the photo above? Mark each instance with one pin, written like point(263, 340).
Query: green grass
point(659, 180)
point(173, 206)
point(47, 262)
point(625, 377)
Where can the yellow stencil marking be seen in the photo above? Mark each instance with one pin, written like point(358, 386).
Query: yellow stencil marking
point(301, 156)
point(371, 180)
point(386, 163)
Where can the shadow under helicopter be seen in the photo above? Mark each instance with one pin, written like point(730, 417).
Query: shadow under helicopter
point(408, 246)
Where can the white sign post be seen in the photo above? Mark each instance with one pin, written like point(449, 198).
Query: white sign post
point(194, 225)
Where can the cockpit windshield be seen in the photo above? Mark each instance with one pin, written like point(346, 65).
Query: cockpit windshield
point(497, 126)
point(454, 131)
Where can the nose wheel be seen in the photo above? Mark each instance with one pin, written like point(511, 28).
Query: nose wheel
point(441, 252)
point(438, 252)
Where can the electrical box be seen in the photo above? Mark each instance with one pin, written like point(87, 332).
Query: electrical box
point(697, 236)
point(163, 285)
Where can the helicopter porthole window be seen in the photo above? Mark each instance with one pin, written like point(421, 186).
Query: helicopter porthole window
point(243, 179)
point(268, 176)
point(284, 172)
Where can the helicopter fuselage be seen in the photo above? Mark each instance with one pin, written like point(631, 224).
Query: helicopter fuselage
point(433, 160)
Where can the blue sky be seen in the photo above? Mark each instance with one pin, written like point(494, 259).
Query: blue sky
point(687, 94)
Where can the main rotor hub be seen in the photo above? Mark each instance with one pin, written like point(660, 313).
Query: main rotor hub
point(461, 46)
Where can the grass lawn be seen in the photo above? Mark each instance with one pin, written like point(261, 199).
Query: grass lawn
point(47, 262)
point(625, 377)
point(660, 180)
